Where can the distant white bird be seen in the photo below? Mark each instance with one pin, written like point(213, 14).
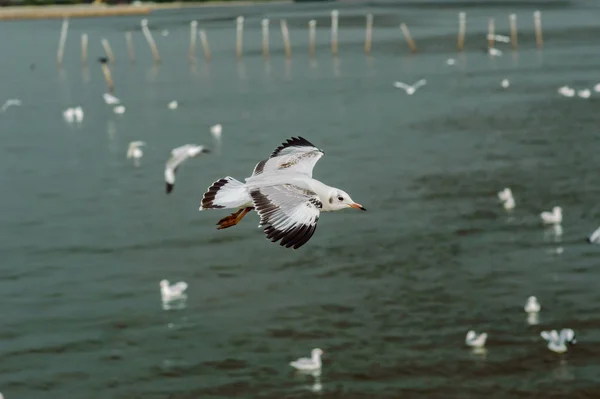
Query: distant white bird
point(178, 155)
point(119, 109)
point(10, 103)
point(566, 91)
point(595, 237)
point(554, 217)
point(507, 199)
point(134, 151)
point(505, 83)
point(164, 33)
point(78, 114)
point(494, 52)
point(585, 93)
point(474, 340)
point(306, 364)
point(69, 115)
point(532, 305)
point(172, 292)
point(499, 38)
point(410, 90)
point(559, 343)
point(73, 115)
point(216, 131)
point(505, 194)
point(110, 99)
point(173, 105)
point(509, 204)
point(597, 88)
point(450, 61)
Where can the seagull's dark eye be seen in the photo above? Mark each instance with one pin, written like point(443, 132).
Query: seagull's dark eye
point(340, 198)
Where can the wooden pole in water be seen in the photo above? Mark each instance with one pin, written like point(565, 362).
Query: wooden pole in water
point(265, 38)
point(409, 40)
point(62, 41)
point(107, 75)
point(491, 30)
point(462, 28)
point(193, 36)
point(129, 41)
point(108, 50)
point(150, 41)
point(537, 20)
point(84, 44)
point(369, 34)
point(205, 47)
point(239, 36)
point(312, 33)
point(512, 18)
point(286, 38)
point(334, 32)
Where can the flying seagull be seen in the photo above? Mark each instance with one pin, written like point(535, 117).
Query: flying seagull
point(178, 155)
point(283, 193)
point(410, 90)
point(134, 151)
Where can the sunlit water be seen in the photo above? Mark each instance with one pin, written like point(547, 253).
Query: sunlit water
point(388, 294)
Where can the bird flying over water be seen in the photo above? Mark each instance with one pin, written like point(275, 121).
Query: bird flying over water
point(10, 103)
point(410, 90)
point(134, 150)
point(178, 155)
point(283, 193)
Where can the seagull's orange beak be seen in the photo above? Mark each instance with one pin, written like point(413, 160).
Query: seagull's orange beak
point(357, 206)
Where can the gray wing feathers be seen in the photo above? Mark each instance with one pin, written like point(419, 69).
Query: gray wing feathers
point(287, 213)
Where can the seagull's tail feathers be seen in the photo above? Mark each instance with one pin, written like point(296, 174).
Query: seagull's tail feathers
point(225, 193)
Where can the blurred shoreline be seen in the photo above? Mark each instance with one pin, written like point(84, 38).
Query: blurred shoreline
point(103, 10)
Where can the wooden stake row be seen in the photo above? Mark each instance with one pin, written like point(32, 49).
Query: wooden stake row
point(194, 33)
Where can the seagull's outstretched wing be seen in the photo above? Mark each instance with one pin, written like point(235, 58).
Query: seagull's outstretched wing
point(401, 85)
point(296, 155)
point(178, 156)
point(420, 83)
point(287, 213)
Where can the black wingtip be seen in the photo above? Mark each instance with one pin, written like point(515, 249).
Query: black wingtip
point(206, 151)
point(170, 187)
point(103, 60)
point(362, 208)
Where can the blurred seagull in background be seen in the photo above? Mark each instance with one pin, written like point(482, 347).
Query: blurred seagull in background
point(309, 364)
point(559, 342)
point(110, 99)
point(172, 292)
point(475, 340)
point(178, 155)
point(134, 151)
point(410, 90)
point(554, 217)
point(566, 91)
point(595, 237)
point(10, 103)
point(532, 305)
point(216, 131)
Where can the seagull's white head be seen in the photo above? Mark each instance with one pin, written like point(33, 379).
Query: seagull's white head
point(164, 283)
point(316, 353)
point(339, 199)
point(557, 210)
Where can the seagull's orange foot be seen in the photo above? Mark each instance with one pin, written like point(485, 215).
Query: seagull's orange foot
point(233, 219)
